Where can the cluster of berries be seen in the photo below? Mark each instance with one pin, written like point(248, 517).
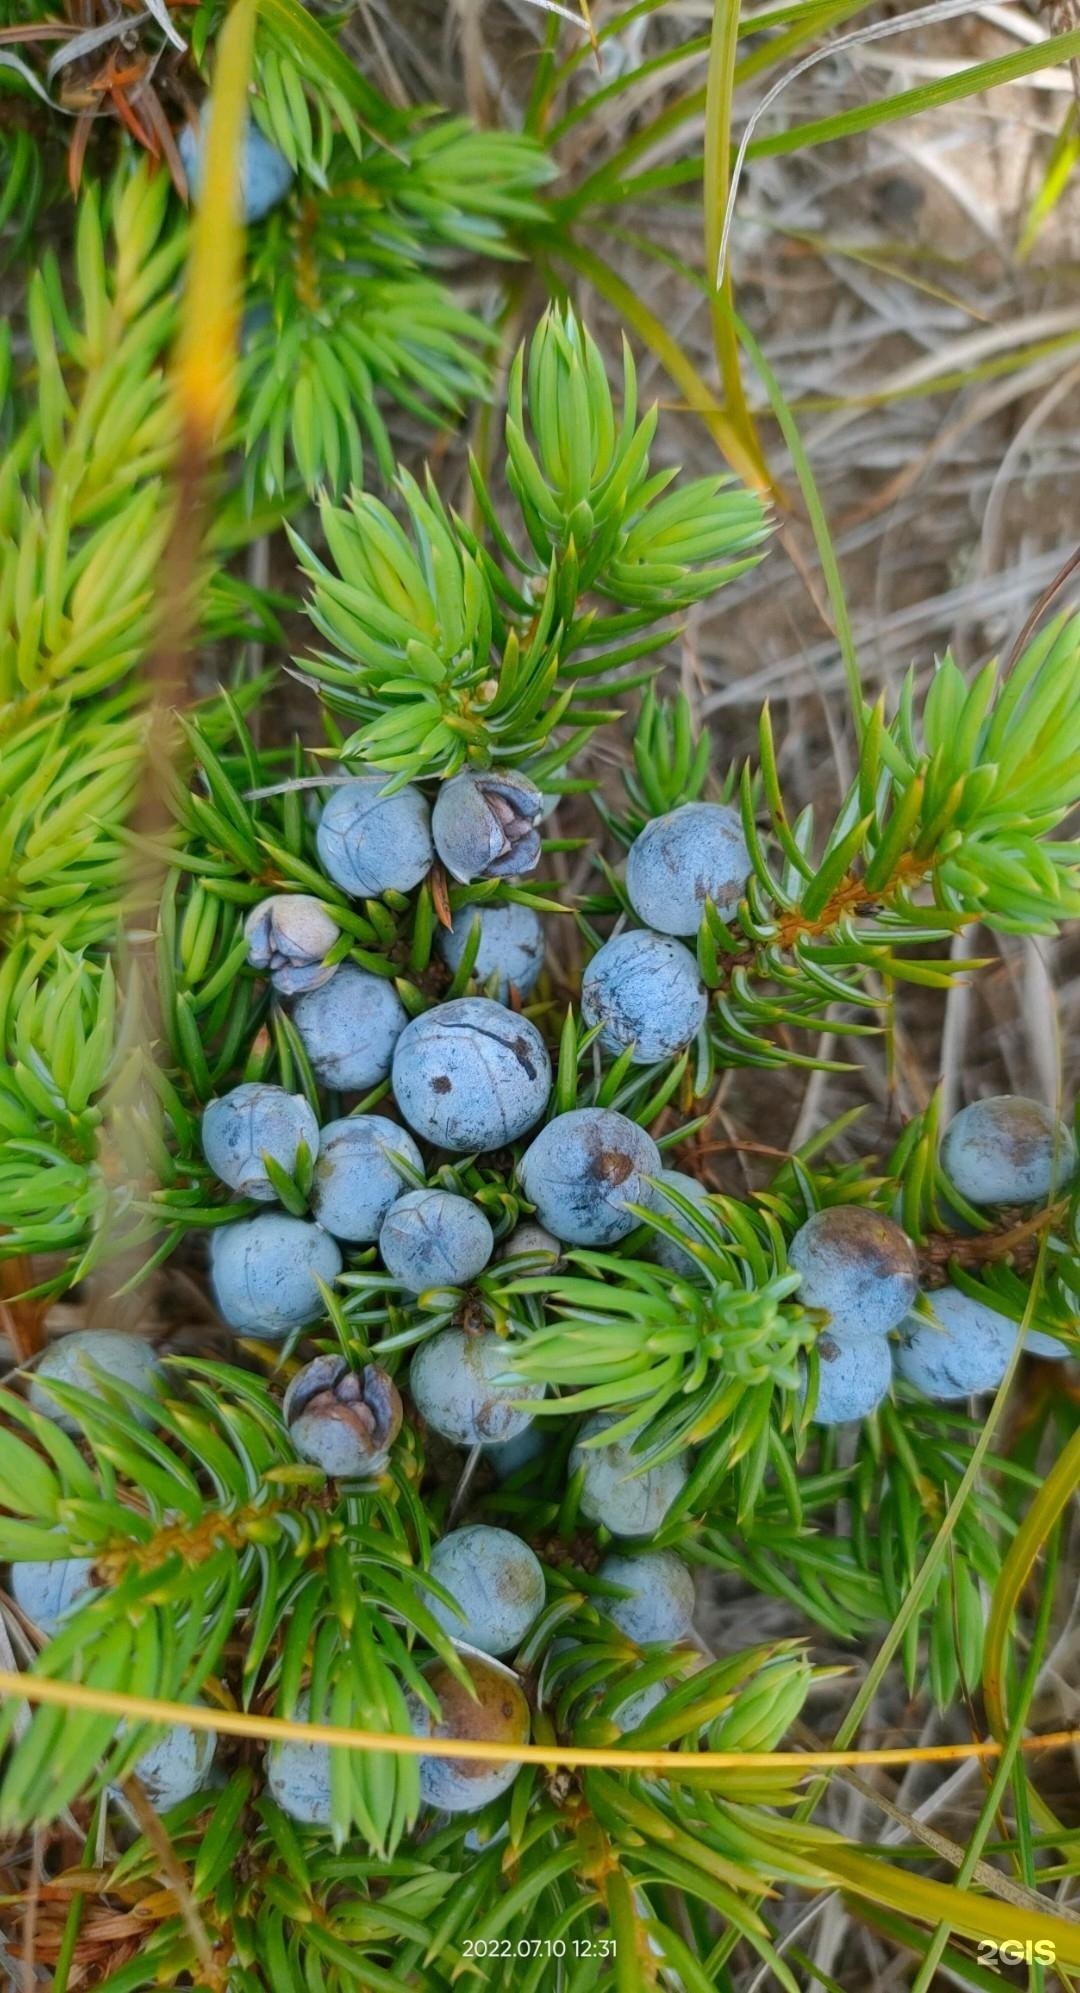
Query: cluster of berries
point(472, 1077)
point(487, 1585)
point(862, 1271)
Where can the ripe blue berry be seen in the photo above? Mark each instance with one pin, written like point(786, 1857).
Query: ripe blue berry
point(484, 825)
point(461, 1387)
point(344, 1420)
point(582, 1171)
point(350, 1027)
point(289, 935)
point(511, 945)
point(617, 1491)
point(964, 1351)
point(631, 1714)
point(371, 843)
point(471, 1075)
point(674, 1257)
point(644, 990)
point(251, 1122)
point(176, 1766)
point(538, 1250)
point(693, 854)
point(1050, 1348)
point(265, 174)
point(662, 1605)
point(1007, 1150)
point(356, 1178)
point(125, 1359)
point(497, 1713)
point(858, 1266)
point(264, 1273)
point(632, 1711)
point(497, 1582)
point(431, 1238)
point(48, 1592)
point(853, 1378)
point(507, 1455)
point(298, 1775)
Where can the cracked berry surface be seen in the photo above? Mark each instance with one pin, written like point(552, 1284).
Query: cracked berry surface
point(470, 1075)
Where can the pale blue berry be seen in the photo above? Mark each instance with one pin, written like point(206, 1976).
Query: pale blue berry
point(49, 1592)
point(1050, 1348)
point(662, 1603)
point(1007, 1150)
point(349, 1028)
point(853, 1378)
point(298, 1775)
point(265, 173)
point(357, 1178)
point(510, 1454)
point(638, 1704)
point(370, 842)
point(124, 1359)
point(964, 1351)
point(631, 1714)
point(584, 1169)
point(695, 853)
point(511, 945)
point(496, 1713)
point(644, 990)
point(176, 1766)
point(537, 1249)
point(617, 1490)
point(461, 1387)
point(289, 935)
point(432, 1238)
point(496, 1580)
point(264, 1273)
point(344, 1420)
point(858, 1266)
point(471, 1075)
point(250, 1123)
point(484, 825)
point(675, 1257)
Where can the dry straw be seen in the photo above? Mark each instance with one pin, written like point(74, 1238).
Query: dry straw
point(275, 1729)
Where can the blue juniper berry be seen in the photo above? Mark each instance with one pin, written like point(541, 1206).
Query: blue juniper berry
point(344, 1420)
point(471, 1075)
point(617, 1489)
point(853, 1378)
point(511, 945)
point(460, 1385)
point(965, 1350)
point(644, 990)
point(371, 843)
point(692, 854)
point(433, 1238)
point(124, 1359)
point(358, 1177)
point(350, 1028)
point(497, 1582)
point(494, 1712)
point(858, 1266)
point(1007, 1150)
point(265, 173)
point(265, 1272)
point(290, 935)
point(582, 1171)
point(484, 824)
point(249, 1123)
